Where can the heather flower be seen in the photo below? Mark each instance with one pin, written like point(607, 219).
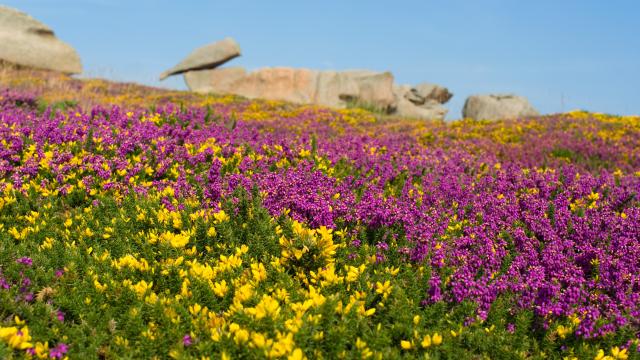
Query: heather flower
point(25, 261)
point(187, 340)
point(58, 351)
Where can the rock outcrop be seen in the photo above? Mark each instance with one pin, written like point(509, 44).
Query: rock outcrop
point(206, 57)
point(27, 42)
point(337, 89)
point(302, 86)
point(497, 106)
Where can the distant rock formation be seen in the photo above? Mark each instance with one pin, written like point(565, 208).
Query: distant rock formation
point(27, 42)
point(206, 57)
point(302, 86)
point(497, 106)
point(305, 86)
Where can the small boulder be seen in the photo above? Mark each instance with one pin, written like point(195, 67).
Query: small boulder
point(431, 110)
point(409, 104)
point(206, 57)
point(427, 91)
point(497, 106)
point(27, 42)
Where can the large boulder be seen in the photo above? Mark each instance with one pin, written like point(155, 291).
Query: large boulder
point(286, 84)
point(220, 80)
point(206, 57)
point(374, 88)
point(27, 42)
point(302, 86)
point(336, 89)
point(497, 106)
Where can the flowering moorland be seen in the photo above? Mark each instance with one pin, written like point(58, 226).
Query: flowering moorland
point(205, 227)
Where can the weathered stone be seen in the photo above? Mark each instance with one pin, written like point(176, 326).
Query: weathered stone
point(302, 86)
point(218, 80)
point(497, 106)
point(431, 110)
point(374, 88)
point(429, 91)
point(404, 107)
point(27, 42)
point(206, 57)
point(407, 92)
point(335, 89)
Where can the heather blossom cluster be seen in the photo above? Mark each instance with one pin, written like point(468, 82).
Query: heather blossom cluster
point(258, 229)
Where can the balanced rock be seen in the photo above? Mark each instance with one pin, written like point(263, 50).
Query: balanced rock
point(497, 106)
point(206, 57)
point(27, 42)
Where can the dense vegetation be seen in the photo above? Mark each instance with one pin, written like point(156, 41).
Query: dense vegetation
point(184, 226)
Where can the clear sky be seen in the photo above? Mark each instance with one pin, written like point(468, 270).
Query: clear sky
point(560, 54)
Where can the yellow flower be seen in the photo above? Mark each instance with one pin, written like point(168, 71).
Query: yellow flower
point(100, 287)
point(42, 350)
point(384, 288)
point(221, 216)
point(17, 339)
point(601, 356)
point(267, 306)
point(258, 340)
point(618, 353)
point(436, 339)
point(220, 288)
point(212, 232)
point(141, 288)
point(297, 354)
point(563, 331)
point(241, 336)
point(406, 345)
point(426, 341)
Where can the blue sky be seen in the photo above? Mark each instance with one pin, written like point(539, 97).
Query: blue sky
point(561, 54)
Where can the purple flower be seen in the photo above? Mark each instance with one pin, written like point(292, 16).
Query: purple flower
point(60, 316)
point(187, 340)
point(59, 273)
point(25, 261)
point(59, 351)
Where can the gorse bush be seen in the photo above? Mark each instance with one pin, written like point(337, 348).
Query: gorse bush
point(236, 229)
